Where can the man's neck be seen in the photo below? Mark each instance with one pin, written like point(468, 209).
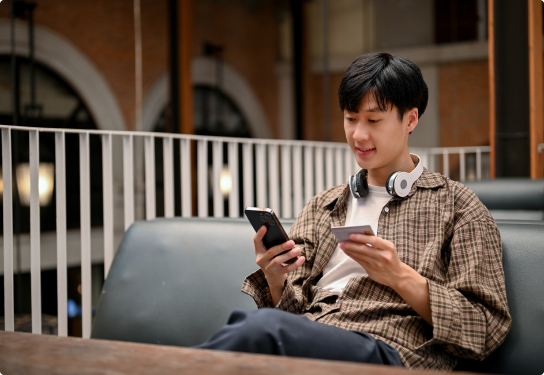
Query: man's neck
point(378, 176)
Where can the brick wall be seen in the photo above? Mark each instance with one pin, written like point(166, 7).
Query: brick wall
point(464, 104)
point(314, 121)
point(103, 30)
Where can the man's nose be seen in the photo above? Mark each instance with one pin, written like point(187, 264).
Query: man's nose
point(361, 133)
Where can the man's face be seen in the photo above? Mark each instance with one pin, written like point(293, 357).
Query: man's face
point(378, 138)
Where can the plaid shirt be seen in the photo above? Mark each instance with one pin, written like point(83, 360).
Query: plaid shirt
point(441, 230)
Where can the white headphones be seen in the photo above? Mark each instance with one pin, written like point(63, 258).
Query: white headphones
point(398, 184)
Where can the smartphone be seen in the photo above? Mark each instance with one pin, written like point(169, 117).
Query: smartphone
point(275, 234)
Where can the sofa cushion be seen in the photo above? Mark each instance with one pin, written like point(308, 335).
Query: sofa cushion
point(175, 281)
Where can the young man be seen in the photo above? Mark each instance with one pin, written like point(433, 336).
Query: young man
point(429, 287)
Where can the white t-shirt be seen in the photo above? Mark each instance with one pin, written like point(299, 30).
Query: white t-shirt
point(361, 211)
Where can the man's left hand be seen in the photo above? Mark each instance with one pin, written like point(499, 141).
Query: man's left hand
point(381, 261)
point(377, 256)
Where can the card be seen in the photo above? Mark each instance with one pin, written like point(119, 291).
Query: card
point(342, 233)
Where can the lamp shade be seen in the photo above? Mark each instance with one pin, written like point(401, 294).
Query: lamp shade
point(45, 184)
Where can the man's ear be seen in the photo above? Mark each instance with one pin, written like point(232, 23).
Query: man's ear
point(412, 117)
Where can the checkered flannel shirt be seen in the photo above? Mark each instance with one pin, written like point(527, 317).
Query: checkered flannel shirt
point(443, 231)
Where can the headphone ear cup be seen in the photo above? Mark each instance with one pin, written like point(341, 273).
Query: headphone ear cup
point(353, 186)
point(390, 184)
point(362, 184)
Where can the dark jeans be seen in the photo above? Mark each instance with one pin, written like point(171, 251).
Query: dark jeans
point(272, 331)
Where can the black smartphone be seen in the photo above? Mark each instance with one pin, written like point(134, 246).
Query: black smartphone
point(275, 234)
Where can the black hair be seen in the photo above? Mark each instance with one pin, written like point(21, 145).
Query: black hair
point(394, 81)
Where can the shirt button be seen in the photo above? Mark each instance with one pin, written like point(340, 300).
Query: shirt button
point(386, 209)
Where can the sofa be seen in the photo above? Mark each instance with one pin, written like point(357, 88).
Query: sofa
point(175, 281)
point(511, 198)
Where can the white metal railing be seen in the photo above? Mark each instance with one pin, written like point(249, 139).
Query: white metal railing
point(281, 174)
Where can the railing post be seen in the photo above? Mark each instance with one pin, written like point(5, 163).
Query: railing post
point(445, 163)
point(85, 198)
point(9, 313)
point(217, 160)
point(168, 164)
point(249, 200)
point(202, 150)
point(261, 174)
point(274, 179)
point(234, 209)
point(339, 167)
point(128, 179)
point(107, 180)
point(62, 277)
point(319, 170)
point(186, 179)
point(149, 152)
point(297, 180)
point(329, 171)
point(286, 188)
point(308, 173)
point(35, 267)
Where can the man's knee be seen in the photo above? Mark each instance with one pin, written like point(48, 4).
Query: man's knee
point(261, 320)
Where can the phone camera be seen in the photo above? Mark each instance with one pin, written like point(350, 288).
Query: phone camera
point(268, 219)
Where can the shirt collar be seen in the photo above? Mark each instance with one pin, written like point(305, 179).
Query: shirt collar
point(427, 180)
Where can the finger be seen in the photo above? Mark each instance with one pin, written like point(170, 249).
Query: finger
point(293, 266)
point(355, 246)
point(361, 257)
point(370, 257)
point(258, 240)
point(278, 249)
point(283, 258)
point(361, 250)
point(377, 242)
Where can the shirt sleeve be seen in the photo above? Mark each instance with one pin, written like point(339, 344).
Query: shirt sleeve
point(469, 309)
point(304, 234)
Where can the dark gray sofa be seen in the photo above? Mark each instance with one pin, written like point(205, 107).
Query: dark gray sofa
point(511, 198)
point(175, 282)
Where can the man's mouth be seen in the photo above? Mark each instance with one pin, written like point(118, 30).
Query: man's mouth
point(366, 149)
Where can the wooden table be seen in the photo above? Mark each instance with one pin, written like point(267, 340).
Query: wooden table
point(25, 353)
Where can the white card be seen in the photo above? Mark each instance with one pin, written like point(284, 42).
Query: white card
point(342, 233)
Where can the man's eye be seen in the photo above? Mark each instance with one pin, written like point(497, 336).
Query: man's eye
point(350, 119)
point(373, 121)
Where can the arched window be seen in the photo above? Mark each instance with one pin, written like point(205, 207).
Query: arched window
point(56, 105)
point(215, 114)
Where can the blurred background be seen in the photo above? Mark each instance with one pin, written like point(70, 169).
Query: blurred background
point(258, 69)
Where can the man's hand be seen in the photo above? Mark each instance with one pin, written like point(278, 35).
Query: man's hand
point(273, 266)
point(380, 260)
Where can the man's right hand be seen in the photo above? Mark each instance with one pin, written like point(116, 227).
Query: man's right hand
point(273, 266)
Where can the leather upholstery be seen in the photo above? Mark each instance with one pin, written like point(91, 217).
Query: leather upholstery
point(175, 281)
point(510, 193)
point(523, 262)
